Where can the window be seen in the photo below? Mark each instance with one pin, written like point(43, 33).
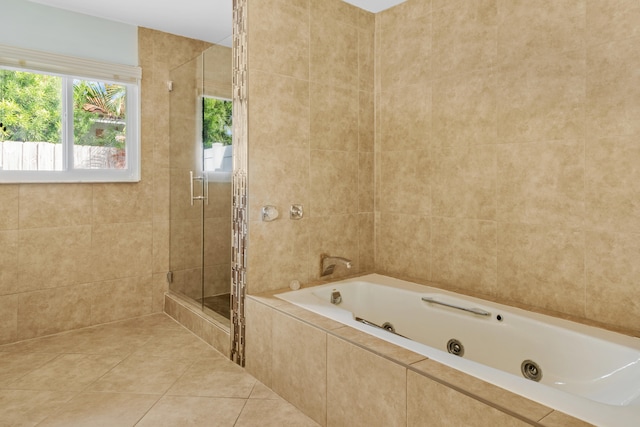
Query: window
point(67, 120)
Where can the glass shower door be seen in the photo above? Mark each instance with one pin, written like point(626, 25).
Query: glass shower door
point(200, 173)
point(187, 202)
point(218, 165)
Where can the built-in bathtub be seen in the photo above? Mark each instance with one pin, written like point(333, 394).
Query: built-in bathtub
point(590, 373)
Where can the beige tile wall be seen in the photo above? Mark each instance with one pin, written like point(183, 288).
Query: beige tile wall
point(364, 387)
point(529, 132)
point(300, 379)
point(449, 407)
point(74, 255)
point(507, 151)
point(496, 143)
point(311, 112)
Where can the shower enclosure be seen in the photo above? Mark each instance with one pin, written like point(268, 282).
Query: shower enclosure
point(200, 187)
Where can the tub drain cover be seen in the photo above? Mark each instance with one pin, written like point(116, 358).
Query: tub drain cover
point(455, 347)
point(531, 370)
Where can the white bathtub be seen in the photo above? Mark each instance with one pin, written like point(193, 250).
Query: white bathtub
point(589, 373)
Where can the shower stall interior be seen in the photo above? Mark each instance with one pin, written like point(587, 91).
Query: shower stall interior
point(200, 182)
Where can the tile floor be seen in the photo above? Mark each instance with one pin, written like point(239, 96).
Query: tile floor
point(148, 371)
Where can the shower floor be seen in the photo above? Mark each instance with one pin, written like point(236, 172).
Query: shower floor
point(221, 304)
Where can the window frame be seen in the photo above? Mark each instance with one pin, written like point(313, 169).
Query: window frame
point(70, 68)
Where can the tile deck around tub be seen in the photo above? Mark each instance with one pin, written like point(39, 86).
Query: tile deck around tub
point(148, 371)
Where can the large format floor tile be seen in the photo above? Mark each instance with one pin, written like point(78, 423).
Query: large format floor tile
point(148, 371)
point(137, 374)
point(214, 378)
point(67, 372)
point(102, 409)
point(193, 412)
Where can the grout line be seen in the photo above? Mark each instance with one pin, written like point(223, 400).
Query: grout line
point(584, 185)
point(59, 409)
point(241, 411)
point(310, 214)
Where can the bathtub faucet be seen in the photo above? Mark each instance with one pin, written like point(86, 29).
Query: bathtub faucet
point(328, 264)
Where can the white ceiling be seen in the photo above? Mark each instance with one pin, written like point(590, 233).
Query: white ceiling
point(208, 20)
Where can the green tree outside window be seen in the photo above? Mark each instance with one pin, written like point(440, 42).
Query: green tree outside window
point(216, 121)
point(31, 109)
point(30, 106)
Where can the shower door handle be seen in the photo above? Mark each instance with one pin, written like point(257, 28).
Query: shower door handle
point(205, 187)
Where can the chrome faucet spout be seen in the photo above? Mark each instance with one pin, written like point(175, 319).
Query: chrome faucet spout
point(328, 264)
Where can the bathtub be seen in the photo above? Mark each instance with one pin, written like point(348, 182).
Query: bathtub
point(586, 372)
